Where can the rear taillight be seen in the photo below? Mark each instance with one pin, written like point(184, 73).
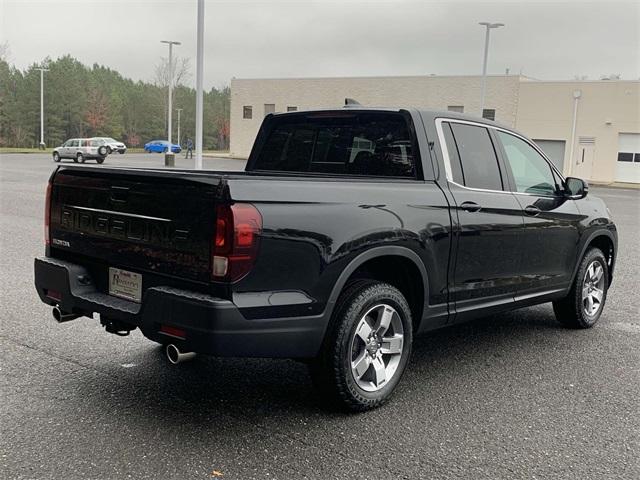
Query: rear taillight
point(235, 244)
point(47, 215)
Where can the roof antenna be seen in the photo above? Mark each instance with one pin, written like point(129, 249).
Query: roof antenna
point(348, 102)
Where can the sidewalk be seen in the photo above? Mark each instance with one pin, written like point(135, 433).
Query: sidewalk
point(632, 186)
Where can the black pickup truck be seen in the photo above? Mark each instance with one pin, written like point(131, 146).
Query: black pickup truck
point(350, 231)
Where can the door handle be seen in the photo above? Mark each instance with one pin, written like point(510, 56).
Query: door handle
point(470, 206)
point(532, 210)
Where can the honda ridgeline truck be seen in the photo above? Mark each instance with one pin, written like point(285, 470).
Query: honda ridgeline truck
point(349, 232)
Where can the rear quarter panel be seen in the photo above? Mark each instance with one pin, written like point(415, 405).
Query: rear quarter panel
point(313, 229)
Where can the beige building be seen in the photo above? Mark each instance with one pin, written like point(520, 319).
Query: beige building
point(596, 123)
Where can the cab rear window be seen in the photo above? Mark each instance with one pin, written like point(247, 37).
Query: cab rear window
point(355, 144)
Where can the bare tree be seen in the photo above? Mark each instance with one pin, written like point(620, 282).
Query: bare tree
point(181, 71)
point(4, 52)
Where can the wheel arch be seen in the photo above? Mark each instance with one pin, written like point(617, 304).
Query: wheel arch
point(412, 279)
point(607, 243)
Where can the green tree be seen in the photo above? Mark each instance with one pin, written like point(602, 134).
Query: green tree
point(97, 101)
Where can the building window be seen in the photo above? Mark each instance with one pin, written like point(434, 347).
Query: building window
point(489, 113)
point(625, 157)
point(456, 108)
point(247, 112)
point(292, 109)
point(269, 108)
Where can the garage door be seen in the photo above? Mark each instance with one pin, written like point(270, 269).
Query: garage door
point(554, 149)
point(628, 164)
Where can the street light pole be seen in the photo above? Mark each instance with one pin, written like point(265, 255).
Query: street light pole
point(42, 70)
point(179, 110)
point(483, 91)
point(199, 87)
point(170, 106)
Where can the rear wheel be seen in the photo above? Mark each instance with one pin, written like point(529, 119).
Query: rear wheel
point(56, 157)
point(366, 348)
point(80, 158)
point(100, 160)
point(582, 307)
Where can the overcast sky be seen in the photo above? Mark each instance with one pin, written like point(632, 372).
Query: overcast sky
point(301, 38)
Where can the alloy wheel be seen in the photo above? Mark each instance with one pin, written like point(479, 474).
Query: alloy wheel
point(376, 347)
point(593, 288)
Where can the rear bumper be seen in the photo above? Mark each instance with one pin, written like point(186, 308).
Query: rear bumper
point(212, 325)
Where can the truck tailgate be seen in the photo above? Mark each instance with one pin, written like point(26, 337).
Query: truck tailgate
point(158, 222)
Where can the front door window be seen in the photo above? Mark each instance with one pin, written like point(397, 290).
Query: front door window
point(531, 171)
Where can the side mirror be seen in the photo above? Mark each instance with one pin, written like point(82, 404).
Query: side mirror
point(576, 188)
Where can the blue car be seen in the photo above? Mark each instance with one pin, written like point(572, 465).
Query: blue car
point(161, 146)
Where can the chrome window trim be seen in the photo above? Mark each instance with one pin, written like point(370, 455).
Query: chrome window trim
point(447, 160)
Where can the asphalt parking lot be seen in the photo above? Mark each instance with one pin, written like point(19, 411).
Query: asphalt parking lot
point(511, 396)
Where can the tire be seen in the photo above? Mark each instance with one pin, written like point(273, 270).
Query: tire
point(56, 157)
point(80, 158)
point(108, 150)
point(581, 307)
point(122, 152)
point(100, 160)
point(349, 370)
point(104, 150)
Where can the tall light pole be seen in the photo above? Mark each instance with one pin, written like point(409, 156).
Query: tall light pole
point(576, 98)
point(489, 26)
point(199, 88)
point(42, 70)
point(170, 109)
point(179, 110)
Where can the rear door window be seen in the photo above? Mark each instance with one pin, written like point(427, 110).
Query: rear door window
point(355, 144)
point(478, 159)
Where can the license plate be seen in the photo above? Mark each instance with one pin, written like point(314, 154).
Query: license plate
point(125, 284)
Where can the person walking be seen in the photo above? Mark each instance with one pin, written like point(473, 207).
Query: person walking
point(189, 148)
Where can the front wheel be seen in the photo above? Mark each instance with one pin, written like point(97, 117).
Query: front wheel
point(582, 307)
point(109, 150)
point(367, 346)
point(56, 157)
point(100, 160)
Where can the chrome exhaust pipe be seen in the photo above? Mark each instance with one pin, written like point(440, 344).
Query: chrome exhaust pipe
point(175, 356)
point(61, 316)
